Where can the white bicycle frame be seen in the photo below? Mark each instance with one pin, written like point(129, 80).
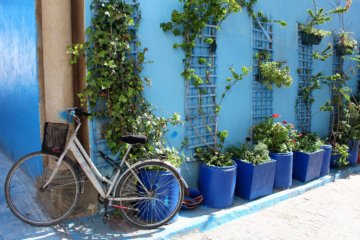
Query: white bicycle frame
point(92, 172)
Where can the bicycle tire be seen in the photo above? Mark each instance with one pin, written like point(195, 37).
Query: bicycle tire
point(36, 206)
point(164, 183)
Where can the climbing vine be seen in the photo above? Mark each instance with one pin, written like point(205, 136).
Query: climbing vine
point(258, 15)
point(114, 78)
point(189, 23)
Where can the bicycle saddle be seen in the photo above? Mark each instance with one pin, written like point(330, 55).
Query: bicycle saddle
point(134, 139)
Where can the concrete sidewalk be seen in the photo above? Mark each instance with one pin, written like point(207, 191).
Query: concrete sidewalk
point(202, 219)
point(331, 212)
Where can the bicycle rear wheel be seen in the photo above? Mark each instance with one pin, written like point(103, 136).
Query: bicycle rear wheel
point(159, 202)
point(37, 206)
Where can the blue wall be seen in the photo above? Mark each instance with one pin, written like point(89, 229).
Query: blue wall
point(19, 88)
point(234, 48)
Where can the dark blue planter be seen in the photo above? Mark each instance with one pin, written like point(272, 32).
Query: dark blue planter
point(307, 166)
point(217, 184)
point(254, 181)
point(325, 167)
point(166, 202)
point(284, 168)
point(353, 152)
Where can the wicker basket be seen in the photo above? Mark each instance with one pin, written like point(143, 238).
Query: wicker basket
point(55, 135)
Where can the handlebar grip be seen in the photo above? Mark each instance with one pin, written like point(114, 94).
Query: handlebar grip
point(79, 112)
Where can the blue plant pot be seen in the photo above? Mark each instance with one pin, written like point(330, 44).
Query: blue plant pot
point(325, 166)
point(307, 166)
point(254, 181)
point(353, 152)
point(284, 169)
point(217, 184)
point(167, 202)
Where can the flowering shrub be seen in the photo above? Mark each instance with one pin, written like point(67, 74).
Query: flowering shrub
point(279, 137)
point(255, 155)
point(307, 143)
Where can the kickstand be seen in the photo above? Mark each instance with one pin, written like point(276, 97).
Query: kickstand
point(106, 217)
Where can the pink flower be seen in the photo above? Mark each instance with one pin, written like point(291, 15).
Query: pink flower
point(292, 125)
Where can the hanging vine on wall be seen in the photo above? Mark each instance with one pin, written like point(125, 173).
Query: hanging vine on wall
point(114, 76)
point(189, 24)
point(259, 16)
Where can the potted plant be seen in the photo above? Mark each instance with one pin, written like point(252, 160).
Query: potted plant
point(345, 44)
point(217, 177)
point(308, 33)
point(272, 73)
point(308, 157)
point(345, 138)
point(279, 137)
point(255, 171)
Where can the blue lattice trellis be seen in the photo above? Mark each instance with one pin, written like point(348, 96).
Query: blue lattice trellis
point(262, 98)
point(98, 124)
point(305, 65)
point(200, 100)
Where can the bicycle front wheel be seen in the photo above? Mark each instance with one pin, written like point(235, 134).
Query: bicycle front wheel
point(25, 194)
point(151, 194)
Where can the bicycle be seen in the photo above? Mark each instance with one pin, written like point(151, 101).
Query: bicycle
point(43, 188)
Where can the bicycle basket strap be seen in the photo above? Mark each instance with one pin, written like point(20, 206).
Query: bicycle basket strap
point(55, 135)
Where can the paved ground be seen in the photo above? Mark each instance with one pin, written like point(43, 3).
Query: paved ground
point(331, 212)
point(10, 226)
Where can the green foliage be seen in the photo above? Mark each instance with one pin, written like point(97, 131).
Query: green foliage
point(279, 137)
point(272, 73)
point(170, 155)
point(189, 23)
point(213, 158)
point(345, 44)
point(255, 155)
point(324, 54)
point(114, 78)
point(308, 143)
point(343, 151)
point(249, 5)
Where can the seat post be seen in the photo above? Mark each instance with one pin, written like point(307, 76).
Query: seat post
point(126, 154)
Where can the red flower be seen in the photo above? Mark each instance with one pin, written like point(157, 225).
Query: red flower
point(294, 141)
point(276, 115)
point(284, 122)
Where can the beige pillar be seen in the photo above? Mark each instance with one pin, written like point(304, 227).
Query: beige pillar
point(58, 81)
point(58, 77)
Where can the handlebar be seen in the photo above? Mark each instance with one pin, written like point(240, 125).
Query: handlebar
point(76, 113)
